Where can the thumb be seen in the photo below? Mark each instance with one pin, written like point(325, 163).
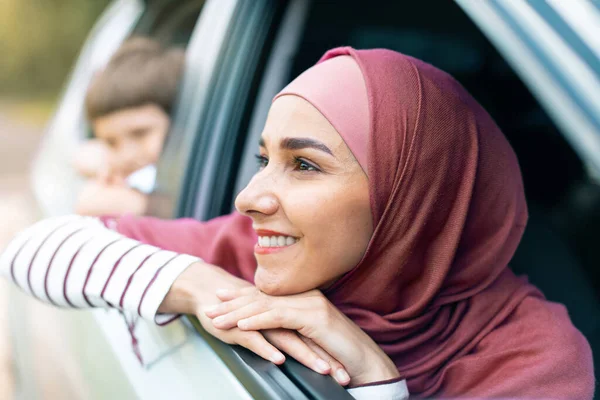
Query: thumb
point(104, 175)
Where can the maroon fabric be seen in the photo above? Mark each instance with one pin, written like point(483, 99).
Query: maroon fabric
point(433, 289)
point(227, 241)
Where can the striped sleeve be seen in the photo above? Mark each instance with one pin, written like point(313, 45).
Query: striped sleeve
point(75, 261)
point(395, 389)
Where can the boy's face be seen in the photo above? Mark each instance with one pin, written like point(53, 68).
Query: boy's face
point(135, 136)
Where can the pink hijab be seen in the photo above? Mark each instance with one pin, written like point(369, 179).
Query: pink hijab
point(433, 289)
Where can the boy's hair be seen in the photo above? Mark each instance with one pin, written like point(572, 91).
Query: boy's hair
point(142, 71)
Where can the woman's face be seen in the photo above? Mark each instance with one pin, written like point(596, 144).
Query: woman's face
point(135, 136)
point(309, 202)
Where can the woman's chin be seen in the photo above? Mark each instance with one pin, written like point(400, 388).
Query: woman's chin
point(271, 284)
point(270, 288)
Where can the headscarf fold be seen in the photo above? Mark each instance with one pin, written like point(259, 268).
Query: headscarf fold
point(433, 289)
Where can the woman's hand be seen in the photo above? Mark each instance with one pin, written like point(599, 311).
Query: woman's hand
point(312, 316)
point(194, 291)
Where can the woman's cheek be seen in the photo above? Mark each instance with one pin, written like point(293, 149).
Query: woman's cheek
point(323, 226)
point(334, 223)
point(346, 229)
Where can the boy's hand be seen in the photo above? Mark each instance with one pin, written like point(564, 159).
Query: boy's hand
point(98, 198)
point(93, 159)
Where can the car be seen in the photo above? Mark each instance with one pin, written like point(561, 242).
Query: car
point(534, 65)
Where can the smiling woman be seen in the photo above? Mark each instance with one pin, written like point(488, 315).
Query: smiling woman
point(372, 245)
point(308, 180)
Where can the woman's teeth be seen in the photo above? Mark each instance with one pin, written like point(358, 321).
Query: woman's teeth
point(276, 241)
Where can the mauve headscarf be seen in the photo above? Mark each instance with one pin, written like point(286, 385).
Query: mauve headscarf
point(433, 289)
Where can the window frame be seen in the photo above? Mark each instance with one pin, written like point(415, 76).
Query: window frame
point(527, 50)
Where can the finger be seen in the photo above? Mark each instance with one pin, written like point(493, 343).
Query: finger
point(226, 307)
point(338, 372)
point(306, 300)
point(231, 319)
point(118, 179)
point(103, 175)
point(290, 342)
point(280, 317)
point(257, 343)
point(230, 294)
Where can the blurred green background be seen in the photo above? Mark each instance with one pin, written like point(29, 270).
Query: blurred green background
point(39, 42)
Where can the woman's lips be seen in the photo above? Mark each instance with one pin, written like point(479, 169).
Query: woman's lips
point(269, 250)
point(270, 242)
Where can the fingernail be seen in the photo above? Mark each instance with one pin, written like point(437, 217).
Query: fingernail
point(222, 292)
point(342, 376)
point(322, 366)
point(211, 309)
point(243, 324)
point(219, 321)
point(277, 358)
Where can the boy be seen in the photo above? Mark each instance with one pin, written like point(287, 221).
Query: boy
point(128, 105)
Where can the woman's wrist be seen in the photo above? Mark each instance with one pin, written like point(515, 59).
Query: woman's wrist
point(189, 291)
point(380, 368)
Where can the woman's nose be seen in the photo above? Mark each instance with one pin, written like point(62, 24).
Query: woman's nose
point(257, 198)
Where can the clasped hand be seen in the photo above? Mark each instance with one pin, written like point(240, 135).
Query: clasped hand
point(352, 356)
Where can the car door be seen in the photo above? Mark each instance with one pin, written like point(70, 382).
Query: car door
point(240, 54)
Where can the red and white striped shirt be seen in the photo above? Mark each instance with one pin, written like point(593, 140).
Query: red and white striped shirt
point(75, 261)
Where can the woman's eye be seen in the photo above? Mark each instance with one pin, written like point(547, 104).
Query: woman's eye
point(303, 165)
point(261, 160)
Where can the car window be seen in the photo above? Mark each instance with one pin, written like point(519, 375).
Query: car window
point(55, 182)
point(167, 21)
point(170, 21)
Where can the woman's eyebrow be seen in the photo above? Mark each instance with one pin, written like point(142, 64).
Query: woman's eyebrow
point(303, 143)
point(299, 143)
